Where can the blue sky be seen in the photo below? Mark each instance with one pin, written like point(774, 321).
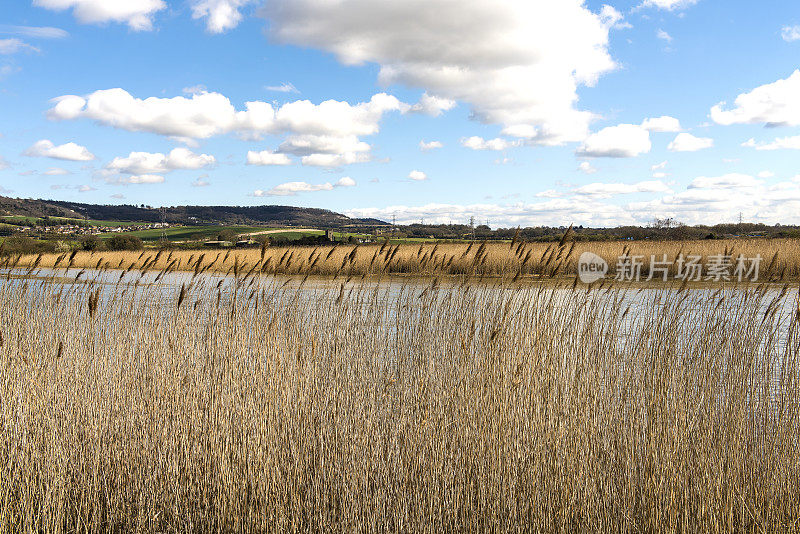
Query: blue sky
point(543, 112)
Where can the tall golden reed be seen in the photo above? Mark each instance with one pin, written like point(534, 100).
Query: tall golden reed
point(260, 404)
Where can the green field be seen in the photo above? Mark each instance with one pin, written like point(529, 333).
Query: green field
point(292, 235)
point(187, 233)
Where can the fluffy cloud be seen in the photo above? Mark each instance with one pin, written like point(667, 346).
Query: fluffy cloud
point(146, 163)
point(14, 45)
point(303, 145)
point(56, 171)
point(517, 63)
point(708, 201)
point(425, 147)
point(334, 160)
point(79, 188)
point(613, 18)
point(727, 181)
point(141, 179)
point(326, 150)
point(664, 36)
point(778, 144)
point(622, 141)
point(221, 15)
point(265, 158)
point(548, 212)
point(686, 142)
point(418, 176)
point(586, 168)
point(664, 123)
point(669, 5)
point(346, 182)
point(432, 105)
point(137, 15)
point(479, 143)
point(325, 134)
point(790, 33)
point(69, 151)
point(603, 190)
point(711, 200)
point(286, 87)
point(293, 188)
point(774, 104)
point(205, 115)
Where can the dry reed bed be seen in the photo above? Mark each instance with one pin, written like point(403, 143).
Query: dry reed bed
point(517, 259)
point(267, 407)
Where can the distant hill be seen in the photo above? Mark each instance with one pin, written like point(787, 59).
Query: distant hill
point(227, 215)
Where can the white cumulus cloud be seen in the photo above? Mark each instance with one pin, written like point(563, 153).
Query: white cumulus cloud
point(345, 182)
point(56, 171)
point(294, 188)
point(286, 87)
point(479, 143)
point(301, 145)
point(325, 134)
point(432, 105)
point(664, 36)
point(669, 5)
point(141, 179)
point(68, 151)
point(418, 176)
point(137, 14)
point(790, 33)
point(206, 115)
point(517, 63)
point(266, 157)
point(686, 142)
point(778, 144)
point(708, 201)
point(621, 141)
point(146, 163)
point(659, 166)
point(427, 146)
point(608, 190)
point(201, 181)
point(773, 104)
point(664, 123)
point(220, 15)
point(334, 160)
point(727, 181)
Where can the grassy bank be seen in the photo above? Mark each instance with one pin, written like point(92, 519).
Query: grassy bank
point(463, 408)
point(780, 258)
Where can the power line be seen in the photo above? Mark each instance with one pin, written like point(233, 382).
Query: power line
point(163, 225)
